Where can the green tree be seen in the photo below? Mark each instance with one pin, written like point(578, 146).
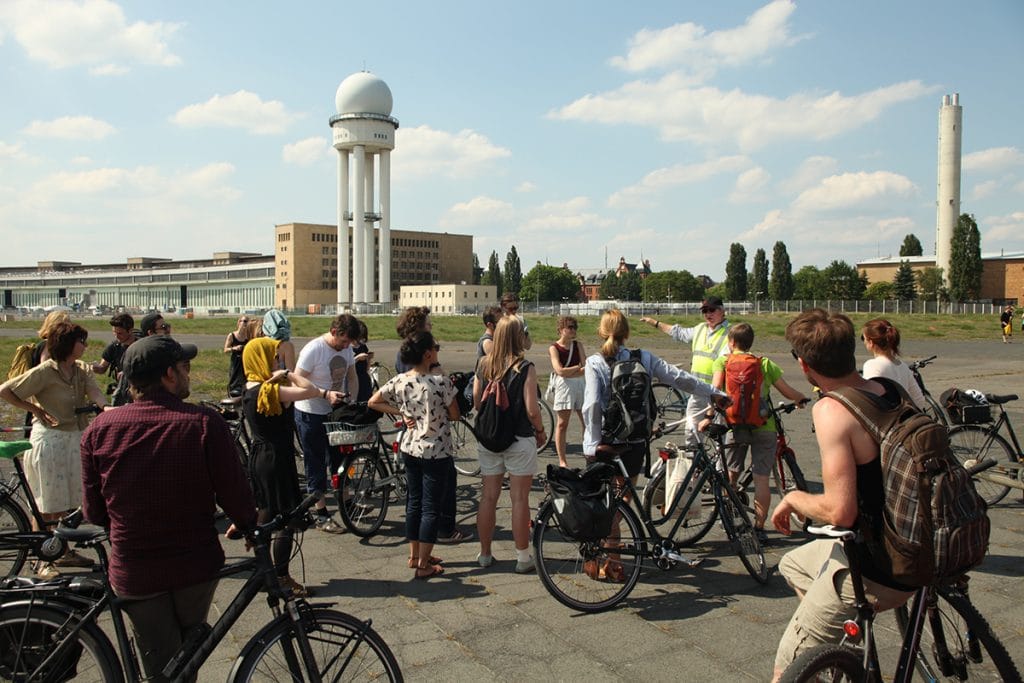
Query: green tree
point(513, 271)
point(493, 274)
point(609, 286)
point(673, 285)
point(842, 281)
point(631, 286)
point(809, 283)
point(931, 285)
point(549, 283)
point(781, 287)
point(715, 290)
point(477, 270)
point(736, 273)
point(880, 291)
point(759, 276)
point(965, 260)
point(904, 283)
point(911, 246)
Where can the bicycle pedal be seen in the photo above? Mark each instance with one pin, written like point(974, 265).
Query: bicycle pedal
point(676, 557)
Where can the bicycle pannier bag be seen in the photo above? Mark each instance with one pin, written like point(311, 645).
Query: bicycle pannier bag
point(743, 381)
point(500, 410)
point(582, 501)
point(965, 409)
point(935, 525)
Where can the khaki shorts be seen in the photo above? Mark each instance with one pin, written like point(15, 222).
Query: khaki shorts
point(519, 459)
point(761, 443)
point(819, 570)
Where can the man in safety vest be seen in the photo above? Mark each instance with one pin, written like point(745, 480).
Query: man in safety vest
point(707, 341)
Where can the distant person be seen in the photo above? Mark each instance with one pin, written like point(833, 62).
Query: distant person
point(510, 307)
point(154, 323)
point(411, 320)
point(123, 327)
point(882, 340)
point(234, 344)
point(707, 342)
point(567, 357)
point(1006, 321)
point(39, 353)
point(490, 316)
point(276, 326)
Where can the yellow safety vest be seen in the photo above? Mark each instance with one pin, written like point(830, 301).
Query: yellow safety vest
point(706, 347)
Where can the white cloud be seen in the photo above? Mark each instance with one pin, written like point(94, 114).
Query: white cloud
point(81, 161)
point(810, 172)
point(307, 152)
point(12, 152)
point(84, 182)
point(750, 185)
point(985, 189)
point(674, 176)
point(993, 159)
point(526, 186)
point(92, 33)
point(71, 128)
point(854, 190)
point(423, 151)
point(479, 212)
point(1008, 229)
point(707, 115)
point(572, 215)
point(692, 47)
point(241, 109)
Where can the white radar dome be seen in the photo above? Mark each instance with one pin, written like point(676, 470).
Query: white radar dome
point(363, 93)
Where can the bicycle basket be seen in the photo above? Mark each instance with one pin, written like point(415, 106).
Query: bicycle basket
point(582, 502)
point(344, 434)
point(965, 409)
point(25, 646)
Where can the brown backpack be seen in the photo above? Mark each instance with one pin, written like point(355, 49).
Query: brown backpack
point(935, 524)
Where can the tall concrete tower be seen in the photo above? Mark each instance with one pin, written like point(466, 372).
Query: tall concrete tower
point(947, 205)
point(363, 129)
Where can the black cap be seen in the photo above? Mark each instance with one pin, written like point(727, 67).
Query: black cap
point(151, 356)
point(148, 323)
point(712, 302)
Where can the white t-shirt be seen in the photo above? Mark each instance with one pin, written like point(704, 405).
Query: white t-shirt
point(880, 366)
point(327, 369)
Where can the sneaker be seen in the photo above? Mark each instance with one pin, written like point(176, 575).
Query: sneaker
point(456, 536)
point(525, 567)
point(47, 571)
point(485, 560)
point(326, 523)
point(73, 559)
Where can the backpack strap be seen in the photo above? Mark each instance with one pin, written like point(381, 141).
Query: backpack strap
point(876, 420)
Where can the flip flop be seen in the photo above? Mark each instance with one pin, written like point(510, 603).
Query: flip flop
point(413, 562)
point(432, 570)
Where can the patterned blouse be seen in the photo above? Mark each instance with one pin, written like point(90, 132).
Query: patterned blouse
point(425, 399)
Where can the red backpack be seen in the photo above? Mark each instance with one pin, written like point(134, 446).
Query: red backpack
point(743, 380)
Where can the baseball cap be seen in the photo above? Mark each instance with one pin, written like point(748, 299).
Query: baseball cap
point(148, 323)
point(151, 356)
point(711, 303)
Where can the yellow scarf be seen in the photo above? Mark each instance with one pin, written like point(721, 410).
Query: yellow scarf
point(259, 358)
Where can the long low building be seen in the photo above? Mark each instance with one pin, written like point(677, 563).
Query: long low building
point(1002, 275)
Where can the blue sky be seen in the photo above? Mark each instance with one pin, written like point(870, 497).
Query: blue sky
point(572, 130)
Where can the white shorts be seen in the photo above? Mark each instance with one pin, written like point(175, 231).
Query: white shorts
point(569, 393)
point(519, 459)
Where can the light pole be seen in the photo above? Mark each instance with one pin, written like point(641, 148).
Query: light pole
point(757, 306)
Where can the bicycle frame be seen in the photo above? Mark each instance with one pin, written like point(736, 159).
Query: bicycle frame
point(1004, 473)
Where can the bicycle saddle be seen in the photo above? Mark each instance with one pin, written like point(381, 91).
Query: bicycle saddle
point(9, 449)
point(231, 401)
point(1003, 398)
point(716, 431)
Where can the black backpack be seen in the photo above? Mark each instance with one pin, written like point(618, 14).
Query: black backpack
point(632, 410)
point(501, 410)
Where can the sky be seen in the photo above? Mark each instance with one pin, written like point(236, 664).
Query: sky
point(577, 131)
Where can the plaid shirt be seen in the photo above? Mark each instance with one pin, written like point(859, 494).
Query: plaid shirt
point(153, 473)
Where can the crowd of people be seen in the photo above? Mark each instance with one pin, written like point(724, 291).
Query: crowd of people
point(149, 451)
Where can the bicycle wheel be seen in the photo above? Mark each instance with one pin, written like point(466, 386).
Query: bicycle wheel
point(466, 460)
point(671, 405)
point(825, 663)
point(563, 563)
point(343, 647)
point(29, 633)
point(974, 442)
point(692, 528)
point(956, 641)
point(547, 418)
point(933, 410)
point(362, 497)
point(788, 476)
point(12, 520)
point(740, 531)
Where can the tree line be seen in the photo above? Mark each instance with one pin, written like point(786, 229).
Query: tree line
point(838, 280)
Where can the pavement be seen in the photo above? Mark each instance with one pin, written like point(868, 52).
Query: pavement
point(709, 623)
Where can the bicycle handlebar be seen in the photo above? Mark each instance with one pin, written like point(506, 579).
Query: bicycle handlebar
point(91, 408)
point(922, 363)
point(278, 522)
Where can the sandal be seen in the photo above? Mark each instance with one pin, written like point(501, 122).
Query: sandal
point(414, 562)
point(296, 588)
point(427, 572)
point(613, 571)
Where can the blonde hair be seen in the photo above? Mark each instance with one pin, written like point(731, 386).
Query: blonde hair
point(52, 319)
point(507, 348)
point(614, 329)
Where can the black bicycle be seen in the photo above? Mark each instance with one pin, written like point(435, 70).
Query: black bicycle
point(944, 636)
point(49, 631)
point(592, 576)
point(982, 442)
point(371, 470)
point(931, 408)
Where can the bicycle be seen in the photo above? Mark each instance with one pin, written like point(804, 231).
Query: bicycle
point(562, 561)
point(978, 443)
point(230, 409)
point(957, 636)
point(371, 468)
point(931, 408)
point(671, 405)
point(467, 461)
point(49, 630)
point(786, 476)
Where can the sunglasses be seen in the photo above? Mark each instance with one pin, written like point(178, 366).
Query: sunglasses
point(795, 355)
point(83, 341)
point(571, 327)
point(706, 309)
point(437, 347)
point(165, 326)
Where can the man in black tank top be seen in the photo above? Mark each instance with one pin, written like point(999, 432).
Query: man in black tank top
point(824, 345)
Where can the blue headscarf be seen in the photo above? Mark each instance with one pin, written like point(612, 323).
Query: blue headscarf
point(276, 326)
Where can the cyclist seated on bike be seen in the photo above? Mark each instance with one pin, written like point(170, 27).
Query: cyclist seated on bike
point(153, 473)
point(824, 344)
point(882, 339)
point(759, 439)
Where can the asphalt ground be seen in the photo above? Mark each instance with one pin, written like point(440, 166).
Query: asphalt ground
point(709, 623)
